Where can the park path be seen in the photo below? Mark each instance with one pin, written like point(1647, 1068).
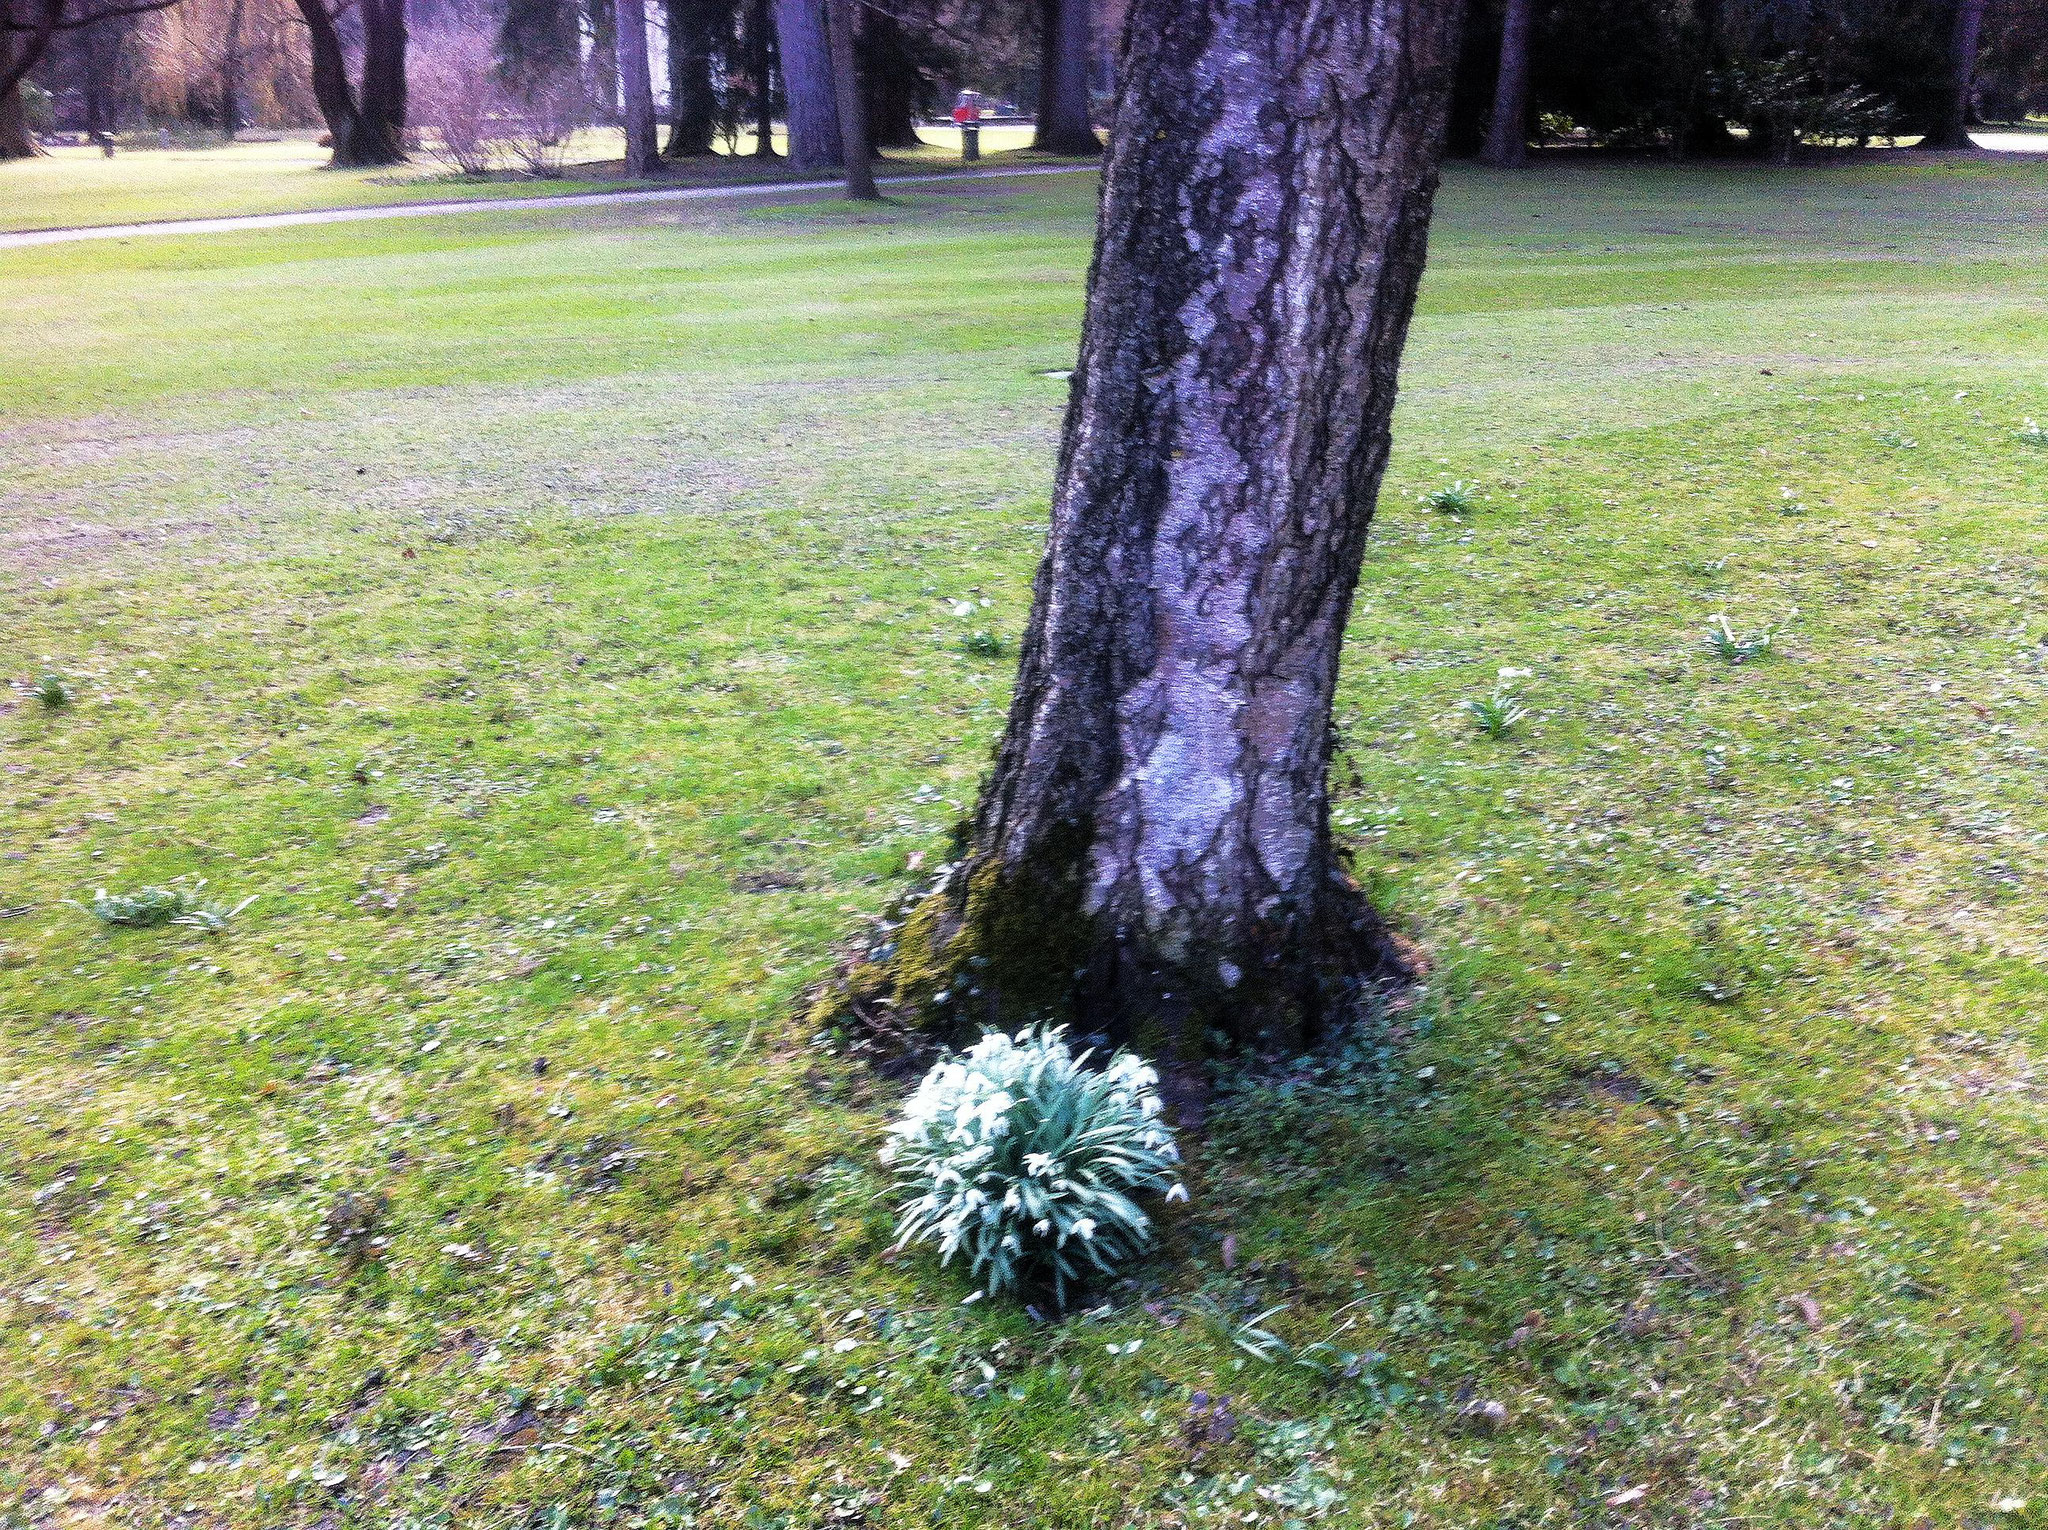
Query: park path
point(247, 221)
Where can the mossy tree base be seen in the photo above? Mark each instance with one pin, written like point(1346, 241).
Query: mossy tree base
point(981, 950)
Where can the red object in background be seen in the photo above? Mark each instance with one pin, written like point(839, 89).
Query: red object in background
point(966, 112)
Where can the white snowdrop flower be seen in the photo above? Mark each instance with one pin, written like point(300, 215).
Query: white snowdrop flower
point(1026, 1160)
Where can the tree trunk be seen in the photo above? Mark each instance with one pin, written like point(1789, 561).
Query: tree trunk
point(636, 89)
point(93, 94)
point(15, 142)
point(1702, 126)
point(604, 56)
point(366, 128)
point(231, 74)
point(810, 102)
point(1152, 856)
point(1065, 38)
point(761, 66)
point(380, 112)
point(331, 89)
point(891, 83)
point(853, 111)
point(1507, 134)
point(1953, 131)
point(692, 109)
point(20, 51)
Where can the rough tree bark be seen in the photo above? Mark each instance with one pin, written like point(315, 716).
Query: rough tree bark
point(853, 110)
point(636, 90)
point(1065, 36)
point(366, 127)
point(692, 110)
point(810, 103)
point(1507, 136)
point(1152, 855)
point(1953, 131)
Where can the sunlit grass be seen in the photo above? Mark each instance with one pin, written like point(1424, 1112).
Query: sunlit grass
point(289, 172)
point(566, 626)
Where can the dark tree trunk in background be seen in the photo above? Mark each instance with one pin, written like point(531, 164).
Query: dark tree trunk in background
point(1507, 133)
point(332, 92)
point(20, 51)
point(15, 142)
point(692, 109)
point(604, 54)
point(380, 126)
point(93, 96)
point(1065, 38)
point(762, 68)
point(891, 83)
point(1953, 131)
point(853, 111)
point(1152, 855)
point(231, 74)
point(810, 103)
point(367, 128)
point(636, 89)
point(1704, 127)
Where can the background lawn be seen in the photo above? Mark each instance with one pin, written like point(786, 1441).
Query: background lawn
point(79, 187)
point(549, 618)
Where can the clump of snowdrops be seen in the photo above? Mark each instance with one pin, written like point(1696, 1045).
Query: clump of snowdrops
point(1029, 1164)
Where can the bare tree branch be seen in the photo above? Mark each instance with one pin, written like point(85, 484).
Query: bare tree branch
point(61, 17)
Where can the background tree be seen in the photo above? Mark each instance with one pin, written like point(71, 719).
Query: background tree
point(99, 68)
point(1152, 855)
point(898, 64)
point(1507, 130)
point(27, 28)
point(1683, 75)
point(699, 39)
point(539, 38)
point(761, 71)
point(1065, 116)
point(2012, 68)
point(853, 121)
point(810, 103)
point(636, 89)
point(366, 123)
point(1958, 108)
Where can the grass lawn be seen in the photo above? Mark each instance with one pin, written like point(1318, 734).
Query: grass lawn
point(549, 619)
point(77, 187)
